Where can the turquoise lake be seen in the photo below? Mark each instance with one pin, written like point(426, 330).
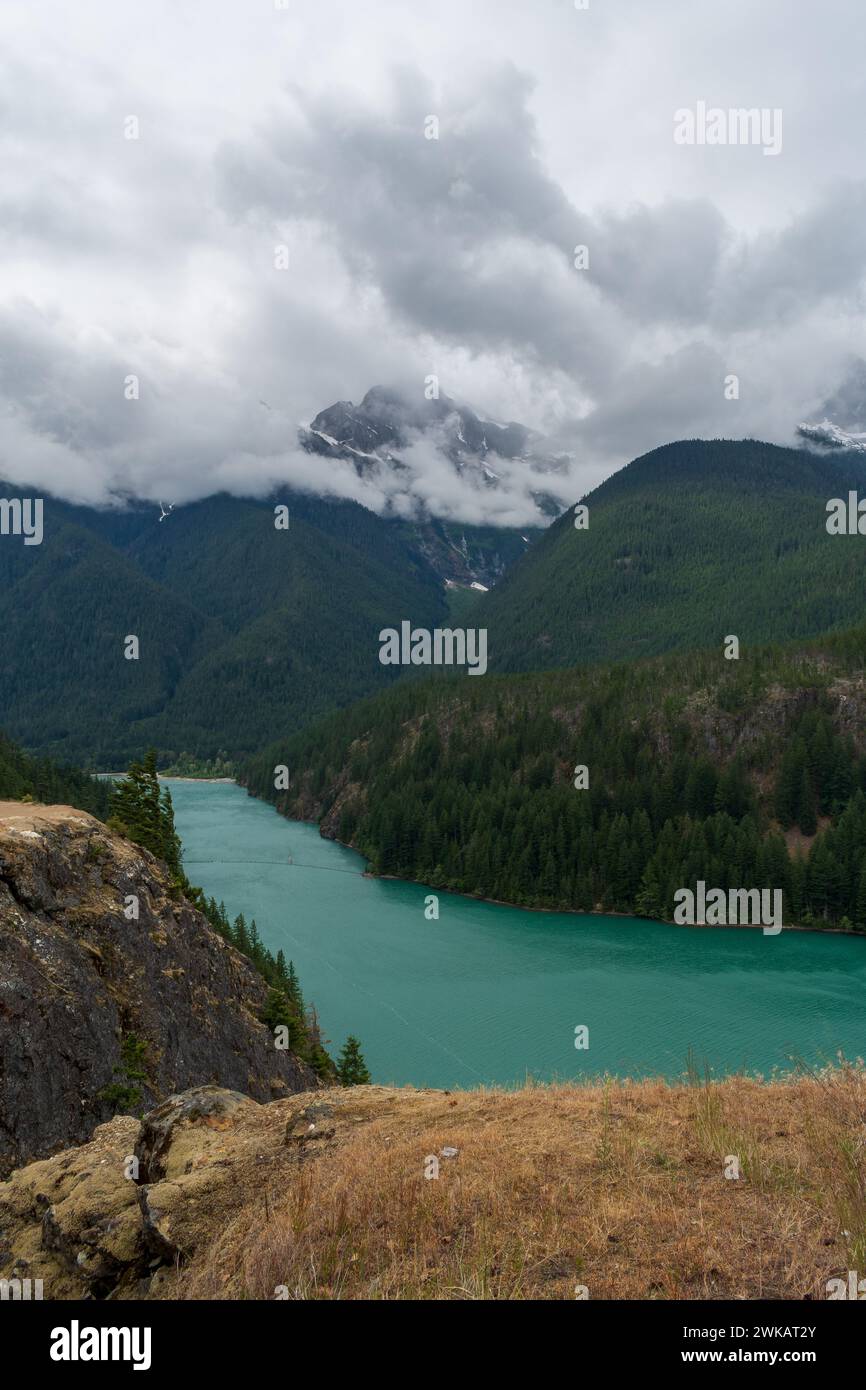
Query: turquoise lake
point(493, 994)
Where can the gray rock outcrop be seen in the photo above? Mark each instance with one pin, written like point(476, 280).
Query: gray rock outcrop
point(79, 978)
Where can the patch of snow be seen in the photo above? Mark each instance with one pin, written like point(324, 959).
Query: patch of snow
point(832, 436)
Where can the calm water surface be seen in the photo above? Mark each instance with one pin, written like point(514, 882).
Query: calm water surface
point(491, 994)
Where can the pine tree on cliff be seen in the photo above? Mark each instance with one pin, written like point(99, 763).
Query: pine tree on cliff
point(293, 989)
point(278, 1012)
point(316, 1055)
point(240, 935)
point(141, 810)
point(351, 1067)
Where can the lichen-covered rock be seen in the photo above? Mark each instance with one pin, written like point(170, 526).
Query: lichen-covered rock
point(124, 1214)
point(78, 975)
point(207, 1109)
point(73, 1220)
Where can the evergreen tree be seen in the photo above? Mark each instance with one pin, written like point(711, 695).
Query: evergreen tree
point(351, 1067)
point(860, 912)
point(144, 813)
point(789, 784)
point(241, 934)
point(807, 818)
point(279, 1013)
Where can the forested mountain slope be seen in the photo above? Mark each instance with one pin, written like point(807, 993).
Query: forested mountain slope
point(698, 768)
point(688, 543)
point(246, 631)
point(242, 628)
point(40, 779)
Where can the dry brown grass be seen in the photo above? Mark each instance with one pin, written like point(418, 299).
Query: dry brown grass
point(618, 1187)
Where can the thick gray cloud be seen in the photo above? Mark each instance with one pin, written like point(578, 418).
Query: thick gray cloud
point(305, 127)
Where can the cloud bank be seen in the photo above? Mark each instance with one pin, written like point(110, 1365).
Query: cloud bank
point(298, 136)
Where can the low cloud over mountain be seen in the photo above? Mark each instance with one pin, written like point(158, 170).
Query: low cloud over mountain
point(434, 457)
point(840, 422)
point(245, 214)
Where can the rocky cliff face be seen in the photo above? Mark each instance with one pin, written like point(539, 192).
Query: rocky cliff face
point(81, 976)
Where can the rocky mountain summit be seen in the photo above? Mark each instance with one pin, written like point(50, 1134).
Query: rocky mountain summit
point(827, 435)
point(375, 435)
point(113, 988)
point(420, 451)
point(385, 421)
point(841, 421)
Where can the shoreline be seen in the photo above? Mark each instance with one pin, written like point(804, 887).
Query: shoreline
point(548, 911)
point(163, 778)
point(597, 912)
point(213, 781)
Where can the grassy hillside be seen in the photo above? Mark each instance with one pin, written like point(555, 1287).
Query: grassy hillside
point(691, 542)
point(600, 1192)
point(746, 774)
point(608, 1191)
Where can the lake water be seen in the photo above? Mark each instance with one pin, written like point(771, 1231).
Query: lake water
point(492, 994)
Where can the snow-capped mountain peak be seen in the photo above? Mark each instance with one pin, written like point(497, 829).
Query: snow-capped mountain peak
point(828, 435)
point(377, 437)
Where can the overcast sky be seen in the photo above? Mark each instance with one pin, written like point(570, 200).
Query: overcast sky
point(305, 126)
